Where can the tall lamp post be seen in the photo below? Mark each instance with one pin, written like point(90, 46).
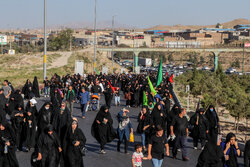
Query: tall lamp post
point(113, 43)
point(95, 39)
point(243, 56)
point(45, 40)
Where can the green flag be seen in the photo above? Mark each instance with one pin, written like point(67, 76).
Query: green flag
point(145, 99)
point(159, 74)
point(152, 89)
point(97, 72)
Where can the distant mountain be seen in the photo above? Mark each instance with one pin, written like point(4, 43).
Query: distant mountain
point(229, 24)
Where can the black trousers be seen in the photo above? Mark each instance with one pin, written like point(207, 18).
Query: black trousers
point(196, 140)
point(125, 144)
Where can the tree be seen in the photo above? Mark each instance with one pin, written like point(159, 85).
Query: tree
point(236, 63)
point(62, 41)
point(211, 60)
point(161, 54)
point(170, 57)
point(202, 60)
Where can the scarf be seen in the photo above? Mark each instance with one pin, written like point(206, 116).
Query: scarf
point(124, 123)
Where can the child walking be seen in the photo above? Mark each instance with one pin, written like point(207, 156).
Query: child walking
point(138, 156)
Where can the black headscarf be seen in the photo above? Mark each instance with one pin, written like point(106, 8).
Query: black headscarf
point(232, 161)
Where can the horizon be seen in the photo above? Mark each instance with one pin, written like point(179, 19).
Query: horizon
point(134, 14)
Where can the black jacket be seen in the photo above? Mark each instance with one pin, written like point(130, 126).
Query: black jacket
point(247, 154)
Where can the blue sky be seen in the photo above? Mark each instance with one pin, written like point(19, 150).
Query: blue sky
point(136, 13)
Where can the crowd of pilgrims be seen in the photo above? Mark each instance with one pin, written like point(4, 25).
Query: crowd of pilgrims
point(55, 139)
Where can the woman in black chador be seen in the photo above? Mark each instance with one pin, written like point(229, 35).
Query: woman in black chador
point(73, 143)
point(17, 121)
point(45, 117)
point(61, 121)
point(213, 120)
point(200, 128)
point(108, 93)
point(15, 100)
point(56, 98)
point(49, 148)
point(30, 126)
point(212, 155)
point(7, 146)
point(35, 87)
point(102, 129)
point(27, 90)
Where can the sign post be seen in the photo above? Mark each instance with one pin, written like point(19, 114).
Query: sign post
point(79, 67)
point(105, 70)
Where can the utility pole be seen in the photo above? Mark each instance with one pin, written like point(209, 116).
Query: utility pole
point(134, 50)
point(243, 56)
point(10, 38)
point(45, 40)
point(113, 43)
point(70, 43)
point(95, 39)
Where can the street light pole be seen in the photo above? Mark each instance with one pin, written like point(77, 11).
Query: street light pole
point(113, 43)
point(133, 50)
point(45, 40)
point(243, 56)
point(95, 39)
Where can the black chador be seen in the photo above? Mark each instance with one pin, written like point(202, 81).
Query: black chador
point(17, 121)
point(71, 147)
point(108, 93)
point(27, 90)
point(103, 131)
point(45, 117)
point(48, 146)
point(61, 121)
point(7, 146)
point(35, 87)
point(30, 127)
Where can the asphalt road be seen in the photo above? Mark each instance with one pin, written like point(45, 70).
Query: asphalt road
point(114, 158)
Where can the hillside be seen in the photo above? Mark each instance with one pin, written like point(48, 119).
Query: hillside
point(229, 24)
point(18, 68)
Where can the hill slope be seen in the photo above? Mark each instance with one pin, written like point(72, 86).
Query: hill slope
point(229, 24)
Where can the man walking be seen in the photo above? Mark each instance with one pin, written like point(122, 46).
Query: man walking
point(179, 128)
point(84, 96)
point(156, 146)
point(6, 89)
point(70, 98)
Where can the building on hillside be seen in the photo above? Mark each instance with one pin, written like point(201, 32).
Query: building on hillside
point(240, 35)
point(242, 27)
point(136, 40)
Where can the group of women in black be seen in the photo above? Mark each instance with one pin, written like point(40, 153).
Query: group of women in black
point(57, 139)
point(50, 133)
point(31, 90)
